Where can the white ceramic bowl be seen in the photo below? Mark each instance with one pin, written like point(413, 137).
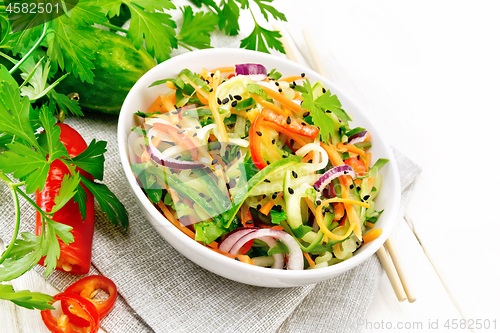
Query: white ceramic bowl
point(141, 97)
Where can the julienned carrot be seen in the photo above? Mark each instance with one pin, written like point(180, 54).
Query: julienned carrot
point(351, 148)
point(266, 208)
point(282, 99)
point(339, 210)
point(372, 235)
point(268, 105)
point(368, 160)
point(280, 129)
point(228, 69)
point(174, 221)
point(293, 78)
point(246, 216)
point(369, 224)
point(309, 260)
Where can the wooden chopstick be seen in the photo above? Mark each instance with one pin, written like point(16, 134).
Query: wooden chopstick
point(393, 268)
point(286, 45)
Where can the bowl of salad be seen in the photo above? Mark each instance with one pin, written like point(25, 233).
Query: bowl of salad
point(257, 168)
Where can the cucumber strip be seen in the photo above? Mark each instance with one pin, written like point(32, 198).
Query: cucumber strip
point(276, 186)
point(375, 168)
point(242, 190)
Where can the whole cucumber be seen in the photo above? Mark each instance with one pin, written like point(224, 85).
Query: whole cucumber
point(118, 67)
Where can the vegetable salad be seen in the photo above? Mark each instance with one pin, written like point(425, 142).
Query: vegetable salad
point(258, 167)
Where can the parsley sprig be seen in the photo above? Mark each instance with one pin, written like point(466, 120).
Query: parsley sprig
point(30, 143)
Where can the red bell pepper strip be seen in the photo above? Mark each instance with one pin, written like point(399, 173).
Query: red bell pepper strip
point(179, 136)
point(82, 306)
point(75, 257)
point(357, 165)
point(86, 288)
point(255, 143)
point(290, 124)
point(246, 221)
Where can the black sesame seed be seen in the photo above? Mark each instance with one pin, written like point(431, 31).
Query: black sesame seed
point(219, 145)
point(238, 154)
point(288, 120)
point(259, 206)
point(290, 190)
point(195, 134)
point(267, 181)
point(351, 186)
point(292, 142)
point(328, 111)
point(358, 188)
point(180, 131)
point(324, 90)
point(306, 114)
point(366, 197)
point(273, 141)
point(211, 89)
point(346, 172)
point(268, 162)
point(303, 74)
point(237, 259)
point(219, 101)
point(275, 195)
point(277, 83)
point(198, 127)
point(310, 161)
point(178, 126)
point(284, 156)
point(202, 195)
point(318, 202)
point(214, 161)
point(316, 189)
point(234, 103)
point(280, 90)
point(225, 100)
point(294, 174)
point(201, 77)
point(277, 208)
point(259, 133)
point(304, 124)
point(230, 97)
point(212, 74)
point(237, 97)
point(208, 82)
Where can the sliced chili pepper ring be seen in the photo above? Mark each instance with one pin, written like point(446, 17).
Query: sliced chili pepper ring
point(85, 309)
point(87, 288)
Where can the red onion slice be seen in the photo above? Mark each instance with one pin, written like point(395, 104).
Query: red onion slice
point(167, 161)
point(256, 72)
point(233, 236)
point(358, 137)
point(295, 260)
point(331, 174)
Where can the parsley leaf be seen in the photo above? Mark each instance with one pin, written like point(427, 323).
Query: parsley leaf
point(81, 199)
point(328, 128)
point(69, 185)
point(259, 37)
point(92, 159)
point(208, 231)
point(196, 28)
point(331, 102)
point(108, 202)
point(228, 17)
point(26, 298)
point(278, 248)
point(62, 102)
point(265, 8)
point(277, 217)
point(155, 29)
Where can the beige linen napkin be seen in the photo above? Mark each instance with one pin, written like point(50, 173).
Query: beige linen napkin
point(162, 291)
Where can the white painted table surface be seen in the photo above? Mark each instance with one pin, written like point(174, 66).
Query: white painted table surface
point(428, 74)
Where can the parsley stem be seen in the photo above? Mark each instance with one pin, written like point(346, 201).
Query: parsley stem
point(13, 187)
point(114, 27)
point(25, 196)
point(27, 55)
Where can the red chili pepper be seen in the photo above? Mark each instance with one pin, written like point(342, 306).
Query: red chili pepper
point(86, 288)
point(75, 257)
point(83, 307)
point(290, 124)
point(179, 136)
point(255, 143)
